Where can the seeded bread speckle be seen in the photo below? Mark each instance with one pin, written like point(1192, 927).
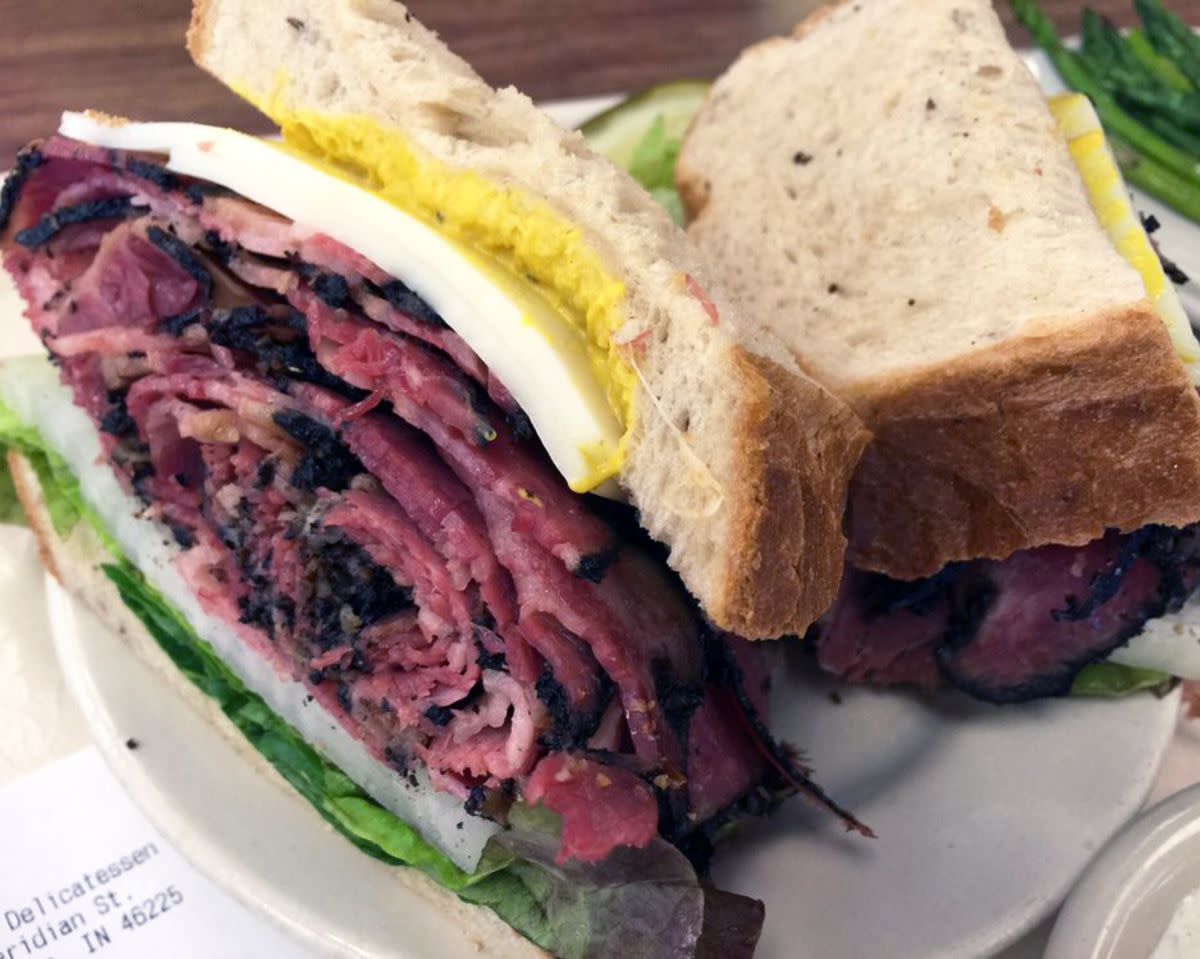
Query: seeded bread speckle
point(887, 192)
point(753, 519)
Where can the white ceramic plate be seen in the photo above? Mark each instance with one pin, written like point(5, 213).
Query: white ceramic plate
point(1125, 900)
point(985, 816)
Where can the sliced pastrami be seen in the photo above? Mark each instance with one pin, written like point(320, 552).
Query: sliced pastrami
point(1009, 630)
point(883, 632)
point(367, 507)
point(1046, 613)
point(601, 806)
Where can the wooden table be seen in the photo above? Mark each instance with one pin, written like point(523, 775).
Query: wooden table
point(127, 56)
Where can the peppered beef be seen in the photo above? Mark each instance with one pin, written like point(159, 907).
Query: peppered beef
point(1009, 630)
point(362, 501)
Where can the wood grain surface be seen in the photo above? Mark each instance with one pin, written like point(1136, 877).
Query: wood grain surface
point(127, 56)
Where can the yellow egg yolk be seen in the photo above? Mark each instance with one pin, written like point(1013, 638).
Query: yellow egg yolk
point(503, 224)
point(1080, 126)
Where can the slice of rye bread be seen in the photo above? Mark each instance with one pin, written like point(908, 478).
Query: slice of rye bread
point(887, 191)
point(736, 460)
point(75, 562)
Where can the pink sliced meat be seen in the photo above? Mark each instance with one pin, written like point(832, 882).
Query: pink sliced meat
point(1009, 630)
point(1040, 628)
point(355, 494)
point(602, 807)
point(884, 648)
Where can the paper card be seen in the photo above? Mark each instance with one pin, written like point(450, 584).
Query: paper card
point(83, 873)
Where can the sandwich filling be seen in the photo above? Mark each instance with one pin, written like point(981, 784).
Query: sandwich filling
point(351, 490)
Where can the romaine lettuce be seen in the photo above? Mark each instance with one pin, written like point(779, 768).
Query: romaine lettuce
point(1109, 680)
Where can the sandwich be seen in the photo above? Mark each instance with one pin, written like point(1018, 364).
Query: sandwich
point(890, 193)
point(420, 442)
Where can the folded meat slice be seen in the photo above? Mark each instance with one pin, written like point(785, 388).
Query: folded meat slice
point(355, 494)
point(1009, 630)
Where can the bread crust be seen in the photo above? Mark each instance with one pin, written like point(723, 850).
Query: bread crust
point(670, 306)
point(29, 493)
point(694, 190)
point(73, 563)
point(797, 446)
point(1042, 439)
point(1070, 426)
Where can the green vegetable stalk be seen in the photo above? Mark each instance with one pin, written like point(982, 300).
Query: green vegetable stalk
point(1149, 160)
point(1107, 54)
point(1163, 68)
point(1171, 38)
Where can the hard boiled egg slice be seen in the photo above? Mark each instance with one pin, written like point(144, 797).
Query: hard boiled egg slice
point(535, 351)
point(1077, 119)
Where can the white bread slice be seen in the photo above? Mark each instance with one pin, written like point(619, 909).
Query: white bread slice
point(736, 461)
point(887, 191)
point(75, 562)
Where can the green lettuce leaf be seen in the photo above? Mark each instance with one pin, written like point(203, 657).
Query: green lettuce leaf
point(10, 506)
point(1109, 680)
point(64, 500)
point(653, 166)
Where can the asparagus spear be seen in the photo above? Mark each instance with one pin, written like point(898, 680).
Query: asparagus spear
point(1156, 180)
point(1077, 76)
point(1159, 65)
point(1181, 138)
point(1171, 37)
point(1108, 56)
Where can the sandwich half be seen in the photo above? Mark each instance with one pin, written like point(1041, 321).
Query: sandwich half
point(889, 192)
point(346, 421)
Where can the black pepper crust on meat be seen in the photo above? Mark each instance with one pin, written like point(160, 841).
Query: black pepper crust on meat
point(570, 728)
point(152, 172)
point(332, 289)
point(884, 595)
point(27, 161)
point(1171, 551)
point(677, 700)
point(1104, 586)
point(104, 208)
point(275, 338)
point(182, 254)
point(341, 578)
point(117, 421)
point(593, 566)
point(402, 298)
point(199, 189)
point(324, 460)
point(219, 249)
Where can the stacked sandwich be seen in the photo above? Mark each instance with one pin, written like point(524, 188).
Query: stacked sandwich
point(324, 415)
point(424, 444)
point(913, 222)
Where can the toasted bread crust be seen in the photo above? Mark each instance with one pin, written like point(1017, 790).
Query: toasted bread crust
point(199, 29)
point(73, 563)
point(29, 493)
point(670, 305)
point(1038, 440)
point(797, 446)
point(1071, 425)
